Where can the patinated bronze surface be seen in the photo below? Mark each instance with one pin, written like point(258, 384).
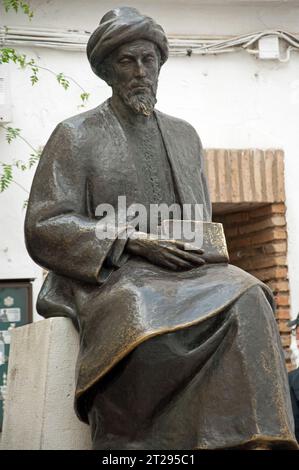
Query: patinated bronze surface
point(175, 352)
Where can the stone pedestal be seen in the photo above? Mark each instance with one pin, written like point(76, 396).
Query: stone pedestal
point(39, 411)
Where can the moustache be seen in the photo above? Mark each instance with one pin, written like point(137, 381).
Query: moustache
point(140, 85)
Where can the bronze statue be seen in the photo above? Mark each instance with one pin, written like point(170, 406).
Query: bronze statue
point(175, 352)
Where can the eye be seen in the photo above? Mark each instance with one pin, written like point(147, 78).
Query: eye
point(149, 58)
point(124, 60)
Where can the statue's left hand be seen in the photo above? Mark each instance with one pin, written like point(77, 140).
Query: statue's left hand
point(171, 254)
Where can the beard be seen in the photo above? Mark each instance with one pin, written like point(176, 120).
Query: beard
point(140, 98)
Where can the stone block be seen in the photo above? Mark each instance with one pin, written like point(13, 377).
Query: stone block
point(39, 411)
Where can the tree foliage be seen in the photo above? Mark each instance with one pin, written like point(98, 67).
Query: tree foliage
point(11, 55)
point(18, 5)
point(7, 174)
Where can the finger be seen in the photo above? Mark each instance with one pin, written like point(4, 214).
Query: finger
point(194, 258)
point(168, 265)
point(189, 247)
point(172, 242)
point(169, 241)
point(183, 264)
point(180, 244)
point(186, 246)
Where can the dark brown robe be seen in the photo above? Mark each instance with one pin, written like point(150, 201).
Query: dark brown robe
point(123, 308)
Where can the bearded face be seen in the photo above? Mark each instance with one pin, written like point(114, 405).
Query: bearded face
point(133, 74)
point(141, 99)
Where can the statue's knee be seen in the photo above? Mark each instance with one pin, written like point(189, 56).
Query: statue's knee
point(254, 306)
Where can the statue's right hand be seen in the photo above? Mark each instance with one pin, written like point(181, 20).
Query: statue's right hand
point(168, 254)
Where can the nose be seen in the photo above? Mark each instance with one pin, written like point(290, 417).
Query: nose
point(140, 69)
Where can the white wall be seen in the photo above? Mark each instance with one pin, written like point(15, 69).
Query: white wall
point(233, 100)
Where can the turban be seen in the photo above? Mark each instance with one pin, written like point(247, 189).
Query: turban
point(119, 26)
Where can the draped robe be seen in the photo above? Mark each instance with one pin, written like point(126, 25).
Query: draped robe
point(122, 307)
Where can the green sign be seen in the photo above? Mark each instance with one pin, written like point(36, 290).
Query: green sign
point(15, 310)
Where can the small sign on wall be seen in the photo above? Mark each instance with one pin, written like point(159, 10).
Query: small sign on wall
point(5, 97)
point(15, 310)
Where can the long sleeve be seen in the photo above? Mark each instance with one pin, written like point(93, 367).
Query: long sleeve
point(60, 233)
point(207, 205)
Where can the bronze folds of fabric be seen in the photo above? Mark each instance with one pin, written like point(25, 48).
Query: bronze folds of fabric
point(178, 390)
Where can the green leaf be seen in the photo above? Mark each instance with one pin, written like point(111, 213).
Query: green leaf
point(6, 4)
point(33, 79)
point(62, 81)
point(34, 158)
point(11, 5)
point(21, 165)
point(6, 177)
point(21, 60)
point(26, 9)
point(16, 5)
point(11, 55)
point(12, 133)
point(84, 96)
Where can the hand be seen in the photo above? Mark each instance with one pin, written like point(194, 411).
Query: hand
point(170, 254)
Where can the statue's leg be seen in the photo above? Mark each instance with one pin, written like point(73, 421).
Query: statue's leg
point(219, 384)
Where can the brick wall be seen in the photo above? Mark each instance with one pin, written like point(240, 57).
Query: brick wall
point(245, 175)
point(257, 243)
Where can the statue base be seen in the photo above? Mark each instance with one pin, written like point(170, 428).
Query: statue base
point(39, 412)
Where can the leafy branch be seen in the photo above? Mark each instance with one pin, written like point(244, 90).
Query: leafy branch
point(14, 133)
point(11, 55)
point(17, 5)
point(6, 177)
point(7, 174)
point(11, 133)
